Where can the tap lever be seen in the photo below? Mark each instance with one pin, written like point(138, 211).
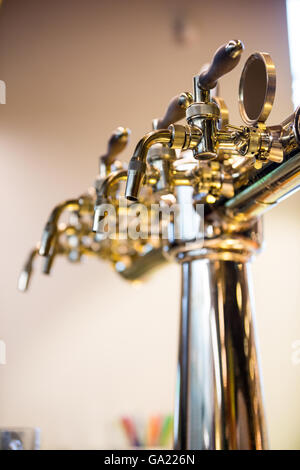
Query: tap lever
point(116, 145)
point(175, 111)
point(224, 60)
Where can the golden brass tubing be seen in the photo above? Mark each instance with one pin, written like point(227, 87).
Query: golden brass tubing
point(265, 193)
point(109, 182)
point(137, 165)
point(103, 194)
point(25, 275)
point(56, 247)
point(50, 229)
point(162, 136)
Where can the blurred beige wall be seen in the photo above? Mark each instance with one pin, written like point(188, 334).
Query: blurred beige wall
point(83, 346)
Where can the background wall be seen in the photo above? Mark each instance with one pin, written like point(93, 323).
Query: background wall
point(83, 346)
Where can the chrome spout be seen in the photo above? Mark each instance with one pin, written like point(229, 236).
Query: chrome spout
point(176, 137)
point(103, 194)
point(137, 165)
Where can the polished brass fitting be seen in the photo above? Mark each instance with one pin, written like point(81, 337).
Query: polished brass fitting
point(209, 181)
point(184, 137)
point(84, 204)
point(203, 114)
point(258, 142)
point(176, 137)
point(103, 194)
point(208, 110)
point(50, 229)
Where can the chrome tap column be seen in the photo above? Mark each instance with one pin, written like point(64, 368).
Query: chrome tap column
point(218, 395)
point(218, 403)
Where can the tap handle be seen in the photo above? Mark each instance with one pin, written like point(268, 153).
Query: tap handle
point(175, 111)
point(116, 144)
point(224, 60)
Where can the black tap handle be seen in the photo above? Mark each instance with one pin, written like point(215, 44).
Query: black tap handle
point(225, 59)
point(116, 144)
point(175, 111)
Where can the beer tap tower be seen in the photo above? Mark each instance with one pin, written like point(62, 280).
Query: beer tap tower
point(235, 174)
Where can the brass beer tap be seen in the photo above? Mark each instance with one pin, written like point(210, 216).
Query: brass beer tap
point(214, 180)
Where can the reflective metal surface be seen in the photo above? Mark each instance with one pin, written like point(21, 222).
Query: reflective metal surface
point(218, 394)
point(235, 173)
point(266, 192)
point(257, 88)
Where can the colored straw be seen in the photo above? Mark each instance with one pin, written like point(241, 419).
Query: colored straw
point(154, 430)
point(166, 430)
point(130, 431)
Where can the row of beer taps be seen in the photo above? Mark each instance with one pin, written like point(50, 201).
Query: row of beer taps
point(219, 161)
point(78, 235)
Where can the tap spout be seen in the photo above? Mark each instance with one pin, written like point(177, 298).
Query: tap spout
point(104, 192)
point(176, 137)
point(137, 165)
point(25, 275)
point(50, 229)
point(56, 247)
point(113, 179)
point(49, 259)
